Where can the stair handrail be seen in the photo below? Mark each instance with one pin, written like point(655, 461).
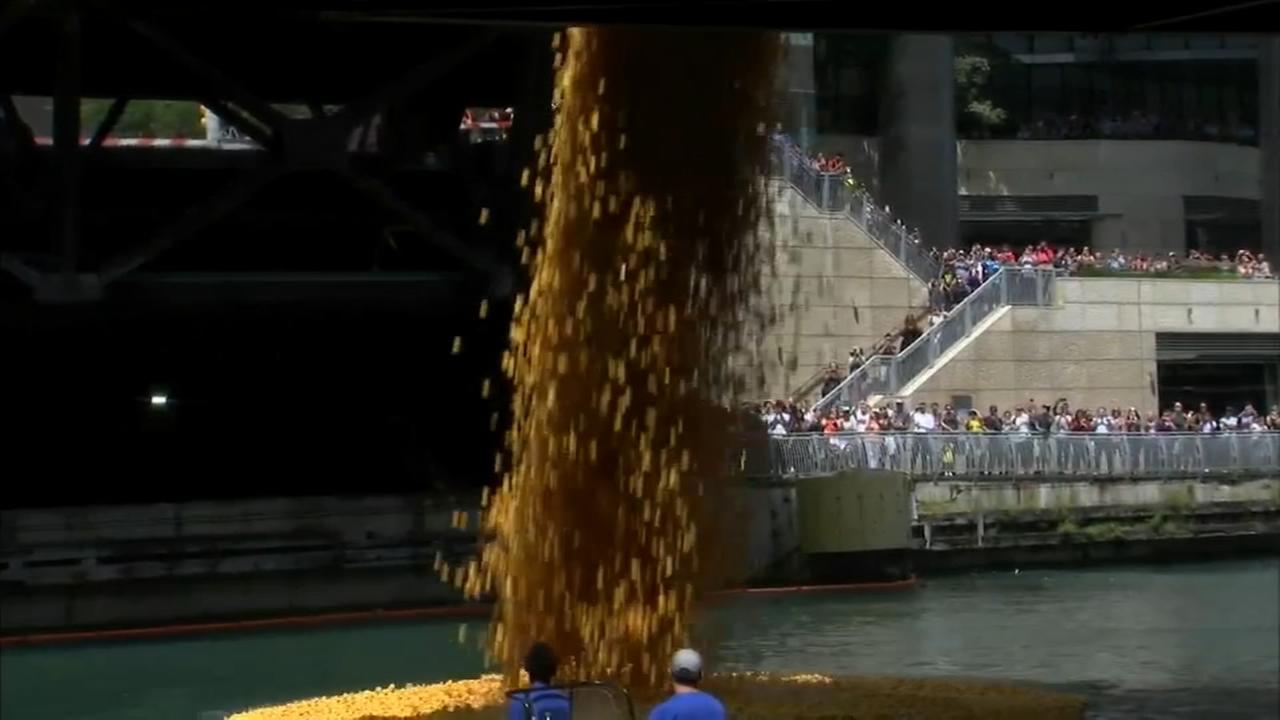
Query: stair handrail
point(888, 374)
point(810, 383)
point(829, 194)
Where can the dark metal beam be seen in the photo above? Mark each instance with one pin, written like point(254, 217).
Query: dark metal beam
point(423, 291)
point(14, 10)
point(400, 89)
point(14, 124)
point(375, 190)
point(66, 141)
point(109, 121)
point(300, 144)
point(194, 220)
point(21, 270)
point(29, 190)
point(222, 85)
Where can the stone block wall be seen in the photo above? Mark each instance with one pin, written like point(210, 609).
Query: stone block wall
point(834, 288)
point(1097, 348)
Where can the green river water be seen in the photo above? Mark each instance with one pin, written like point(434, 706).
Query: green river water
point(1181, 641)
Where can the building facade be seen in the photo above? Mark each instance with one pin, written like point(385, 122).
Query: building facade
point(1142, 142)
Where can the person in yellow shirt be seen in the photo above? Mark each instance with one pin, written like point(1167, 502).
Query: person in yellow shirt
point(975, 452)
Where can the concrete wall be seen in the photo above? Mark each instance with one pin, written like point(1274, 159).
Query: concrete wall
point(766, 525)
point(148, 603)
point(1140, 184)
point(78, 567)
point(333, 518)
point(854, 511)
point(835, 288)
point(1097, 348)
point(150, 564)
point(944, 497)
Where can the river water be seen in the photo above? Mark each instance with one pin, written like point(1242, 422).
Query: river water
point(1182, 641)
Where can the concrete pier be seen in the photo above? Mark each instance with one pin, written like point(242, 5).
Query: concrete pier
point(149, 565)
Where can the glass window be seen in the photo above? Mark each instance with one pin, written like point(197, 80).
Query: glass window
point(1205, 42)
point(1046, 90)
point(1129, 43)
point(1172, 97)
point(1103, 100)
point(1191, 102)
point(1231, 103)
point(1088, 44)
point(1008, 90)
point(1246, 78)
point(1210, 102)
point(1128, 90)
point(1052, 43)
point(1167, 43)
point(1016, 43)
point(1152, 96)
point(1077, 93)
point(853, 81)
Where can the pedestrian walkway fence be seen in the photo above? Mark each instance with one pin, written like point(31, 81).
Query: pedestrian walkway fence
point(933, 455)
point(885, 375)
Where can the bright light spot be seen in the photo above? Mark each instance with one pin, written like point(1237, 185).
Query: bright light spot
point(159, 400)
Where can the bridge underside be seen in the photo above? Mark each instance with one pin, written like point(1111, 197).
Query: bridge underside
point(131, 250)
point(79, 217)
point(297, 301)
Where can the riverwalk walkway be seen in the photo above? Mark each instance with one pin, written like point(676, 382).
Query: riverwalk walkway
point(983, 455)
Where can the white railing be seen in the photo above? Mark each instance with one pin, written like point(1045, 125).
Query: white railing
point(829, 193)
point(932, 455)
point(888, 374)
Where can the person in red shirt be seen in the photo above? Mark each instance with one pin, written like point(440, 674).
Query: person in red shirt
point(1044, 254)
point(832, 425)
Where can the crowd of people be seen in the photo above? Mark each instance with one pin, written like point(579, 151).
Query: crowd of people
point(982, 262)
point(1136, 125)
point(787, 418)
point(966, 269)
point(961, 272)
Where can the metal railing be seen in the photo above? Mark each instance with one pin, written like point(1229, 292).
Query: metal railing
point(888, 374)
point(933, 455)
point(601, 700)
point(829, 193)
point(811, 384)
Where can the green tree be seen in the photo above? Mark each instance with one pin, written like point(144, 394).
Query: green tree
point(976, 62)
point(146, 118)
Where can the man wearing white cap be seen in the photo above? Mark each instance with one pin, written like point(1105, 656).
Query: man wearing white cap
point(688, 702)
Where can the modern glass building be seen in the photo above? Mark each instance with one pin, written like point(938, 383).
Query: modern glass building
point(1143, 142)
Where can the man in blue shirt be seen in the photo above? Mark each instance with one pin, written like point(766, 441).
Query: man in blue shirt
point(548, 704)
point(688, 702)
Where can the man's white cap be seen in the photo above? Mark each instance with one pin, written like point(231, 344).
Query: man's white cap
point(687, 660)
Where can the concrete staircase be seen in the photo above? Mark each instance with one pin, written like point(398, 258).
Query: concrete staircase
point(888, 376)
point(827, 196)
